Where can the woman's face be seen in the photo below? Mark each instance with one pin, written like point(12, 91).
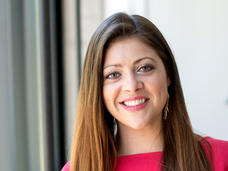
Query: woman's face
point(135, 87)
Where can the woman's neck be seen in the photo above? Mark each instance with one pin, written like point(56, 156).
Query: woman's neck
point(132, 141)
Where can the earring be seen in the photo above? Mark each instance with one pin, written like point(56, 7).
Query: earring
point(166, 109)
point(115, 126)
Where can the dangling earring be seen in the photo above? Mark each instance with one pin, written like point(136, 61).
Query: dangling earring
point(115, 127)
point(166, 109)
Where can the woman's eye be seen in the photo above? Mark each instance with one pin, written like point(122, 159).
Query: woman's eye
point(145, 68)
point(113, 75)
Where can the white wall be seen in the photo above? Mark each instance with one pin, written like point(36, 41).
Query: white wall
point(197, 32)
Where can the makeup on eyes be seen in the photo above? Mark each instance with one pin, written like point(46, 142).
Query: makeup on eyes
point(134, 63)
point(112, 75)
point(147, 67)
point(143, 68)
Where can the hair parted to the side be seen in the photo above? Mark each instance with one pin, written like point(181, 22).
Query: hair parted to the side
point(93, 146)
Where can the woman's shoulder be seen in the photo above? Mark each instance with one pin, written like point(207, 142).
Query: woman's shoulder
point(219, 151)
point(217, 145)
point(66, 167)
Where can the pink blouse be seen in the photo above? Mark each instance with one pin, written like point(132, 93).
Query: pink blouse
point(152, 161)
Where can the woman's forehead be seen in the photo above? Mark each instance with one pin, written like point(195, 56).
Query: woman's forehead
point(129, 50)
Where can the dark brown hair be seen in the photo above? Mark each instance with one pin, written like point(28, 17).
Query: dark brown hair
point(94, 147)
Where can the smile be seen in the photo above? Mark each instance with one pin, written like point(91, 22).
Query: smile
point(135, 104)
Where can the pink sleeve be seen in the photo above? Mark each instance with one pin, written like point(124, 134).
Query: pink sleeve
point(66, 167)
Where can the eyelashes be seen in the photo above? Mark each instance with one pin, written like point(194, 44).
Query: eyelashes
point(112, 75)
point(140, 69)
point(145, 68)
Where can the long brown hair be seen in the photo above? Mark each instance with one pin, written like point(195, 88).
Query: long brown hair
point(94, 147)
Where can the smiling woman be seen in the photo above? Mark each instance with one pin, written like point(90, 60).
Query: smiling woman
point(136, 94)
point(131, 112)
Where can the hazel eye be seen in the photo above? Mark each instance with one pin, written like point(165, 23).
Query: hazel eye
point(145, 68)
point(113, 75)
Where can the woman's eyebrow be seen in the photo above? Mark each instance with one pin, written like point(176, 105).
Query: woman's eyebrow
point(115, 65)
point(135, 62)
point(146, 57)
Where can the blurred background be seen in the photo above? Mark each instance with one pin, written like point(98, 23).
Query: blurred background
point(42, 48)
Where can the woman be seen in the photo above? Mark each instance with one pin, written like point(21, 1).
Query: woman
point(131, 112)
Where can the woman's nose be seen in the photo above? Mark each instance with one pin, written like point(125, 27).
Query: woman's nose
point(132, 83)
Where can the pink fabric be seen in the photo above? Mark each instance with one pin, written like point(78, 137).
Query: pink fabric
point(220, 154)
point(140, 162)
point(66, 167)
point(152, 161)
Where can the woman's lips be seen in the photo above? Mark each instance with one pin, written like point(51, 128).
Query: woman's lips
point(135, 103)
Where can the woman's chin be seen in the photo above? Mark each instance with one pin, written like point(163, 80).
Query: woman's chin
point(137, 125)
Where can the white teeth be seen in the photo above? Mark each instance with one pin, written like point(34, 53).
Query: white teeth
point(134, 102)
